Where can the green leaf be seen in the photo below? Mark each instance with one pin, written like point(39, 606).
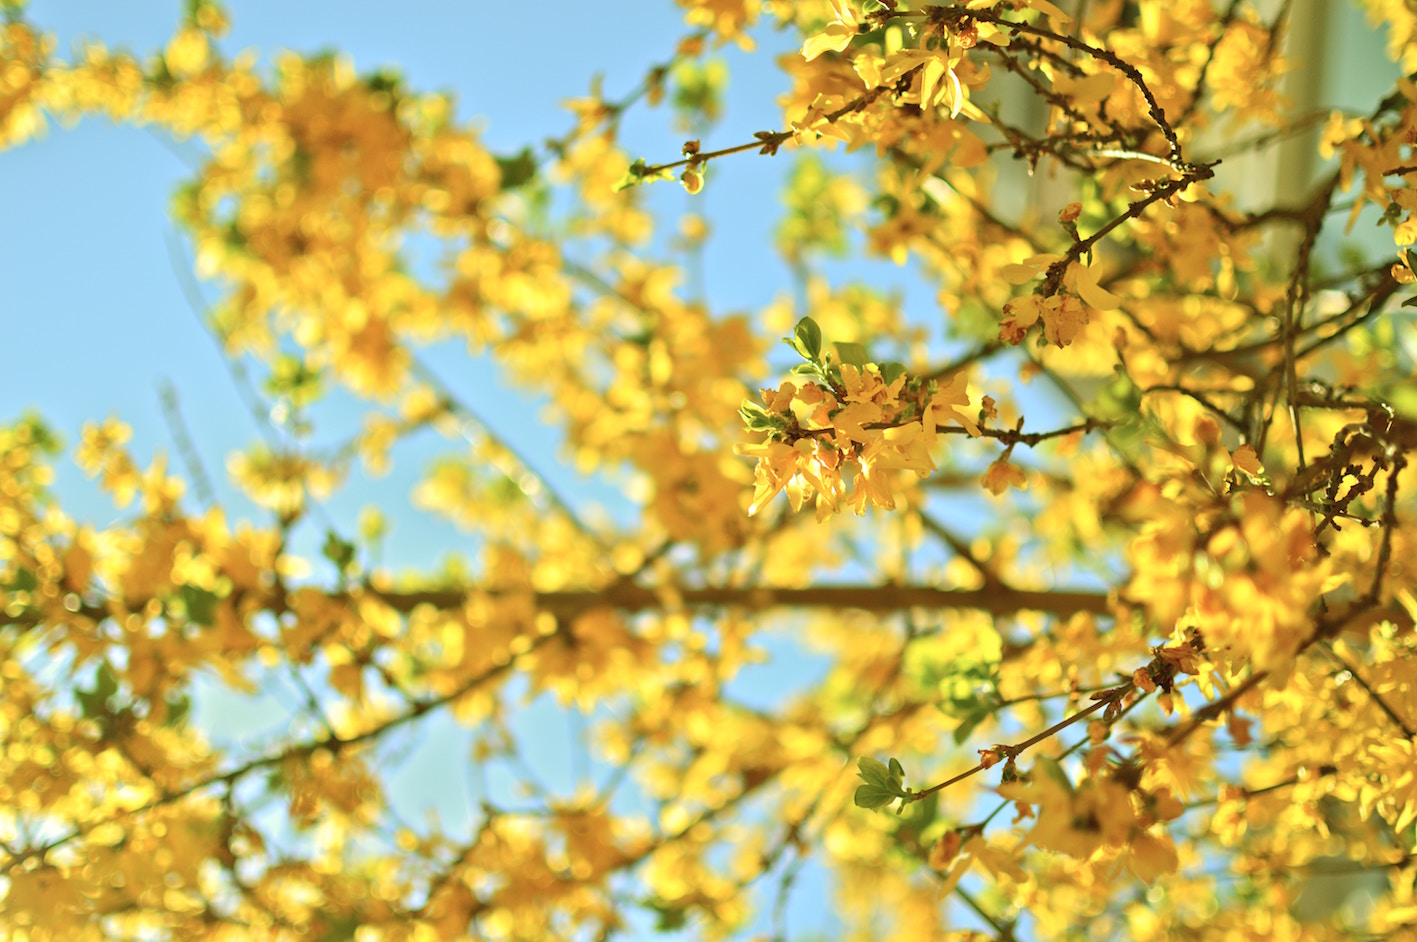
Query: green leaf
point(23, 581)
point(969, 724)
point(94, 702)
point(873, 797)
point(1050, 767)
point(384, 80)
point(698, 89)
point(200, 604)
point(873, 770)
point(338, 551)
point(294, 379)
point(339, 928)
point(38, 434)
point(639, 173)
point(178, 706)
point(669, 918)
point(518, 169)
point(808, 337)
point(973, 687)
point(853, 353)
point(892, 371)
point(634, 176)
point(755, 417)
point(1410, 302)
point(883, 783)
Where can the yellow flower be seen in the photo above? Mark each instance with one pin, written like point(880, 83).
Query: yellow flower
point(96, 442)
point(1150, 857)
point(866, 385)
point(849, 421)
point(1001, 475)
point(944, 405)
point(1247, 460)
point(904, 447)
point(872, 485)
point(837, 35)
point(777, 463)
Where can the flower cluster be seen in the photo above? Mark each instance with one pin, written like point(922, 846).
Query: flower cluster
point(843, 415)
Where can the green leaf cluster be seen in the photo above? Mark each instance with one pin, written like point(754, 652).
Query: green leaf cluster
point(972, 695)
point(94, 701)
point(966, 683)
point(758, 419)
point(883, 784)
point(806, 339)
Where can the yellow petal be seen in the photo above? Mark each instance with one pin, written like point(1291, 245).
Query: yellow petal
point(1247, 460)
point(1096, 297)
point(932, 73)
point(834, 39)
point(869, 68)
point(1056, 15)
point(1028, 269)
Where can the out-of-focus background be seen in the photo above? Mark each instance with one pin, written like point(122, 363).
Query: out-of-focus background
point(100, 314)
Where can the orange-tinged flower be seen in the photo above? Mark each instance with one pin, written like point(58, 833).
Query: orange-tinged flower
point(946, 849)
point(1001, 475)
point(1247, 460)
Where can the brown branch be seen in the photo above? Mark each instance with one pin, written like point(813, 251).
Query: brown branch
point(876, 599)
point(1160, 192)
point(1103, 699)
point(957, 15)
point(628, 597)
point(983, 352)
point(1009, 436)
point(768, 142)
point(1214, 709)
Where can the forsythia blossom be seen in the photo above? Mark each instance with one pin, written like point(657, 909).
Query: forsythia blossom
point(861, 419)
